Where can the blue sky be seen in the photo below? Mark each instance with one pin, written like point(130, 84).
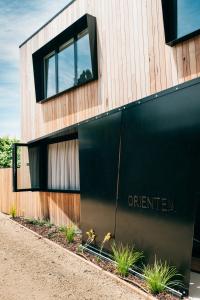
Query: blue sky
point(18, 20)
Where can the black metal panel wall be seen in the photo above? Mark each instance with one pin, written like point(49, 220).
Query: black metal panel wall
point(99, 152)
point(156, 178)
point(159, 177)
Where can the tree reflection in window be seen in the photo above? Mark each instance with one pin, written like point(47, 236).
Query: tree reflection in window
point(84, 64)
point(85, 76)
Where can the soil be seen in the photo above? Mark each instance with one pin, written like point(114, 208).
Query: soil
point(53, 233)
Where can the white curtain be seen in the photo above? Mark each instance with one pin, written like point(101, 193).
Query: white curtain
point(63, 165)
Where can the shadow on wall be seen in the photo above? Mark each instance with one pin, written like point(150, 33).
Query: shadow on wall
point(187, 59)
point(72, 103)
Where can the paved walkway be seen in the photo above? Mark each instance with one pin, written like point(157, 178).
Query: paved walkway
point(195, 286)
point(31, 268)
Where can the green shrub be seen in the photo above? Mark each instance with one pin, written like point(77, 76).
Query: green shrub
point(161, 275)
point(125, 257)
point(6, 152)
point(70, 233)
point(13, 211)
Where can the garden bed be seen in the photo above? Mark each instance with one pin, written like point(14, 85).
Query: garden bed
point(55, 234)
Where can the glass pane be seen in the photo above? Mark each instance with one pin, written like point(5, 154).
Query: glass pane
point(66, 73)
point(63, 165)
point(84, 64)
point(27, 167)
point(50, 76)
point(23, 171)
point(34, 166)
point(188, 17)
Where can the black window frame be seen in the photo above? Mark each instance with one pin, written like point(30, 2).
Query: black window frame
point(169, 9)
point(42, 144)
point(85, 22)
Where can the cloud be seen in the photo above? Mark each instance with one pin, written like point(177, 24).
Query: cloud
point(18, 20)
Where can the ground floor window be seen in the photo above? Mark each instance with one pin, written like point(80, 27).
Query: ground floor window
point(63, 165)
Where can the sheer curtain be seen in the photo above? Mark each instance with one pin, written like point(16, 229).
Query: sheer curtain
point(63, 165)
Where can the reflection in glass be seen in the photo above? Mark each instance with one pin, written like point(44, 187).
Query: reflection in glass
point(66, 71)
point(50, 75)
point(84, 65)
point(188, 17)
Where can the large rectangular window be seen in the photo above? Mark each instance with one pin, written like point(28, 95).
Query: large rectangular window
point(181, 19)
point(67, 61)
point(74, 65)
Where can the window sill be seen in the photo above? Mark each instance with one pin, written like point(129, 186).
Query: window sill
point(183, 38)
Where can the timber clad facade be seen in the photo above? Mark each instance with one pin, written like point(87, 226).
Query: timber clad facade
point(131, 54)
point(133, 62)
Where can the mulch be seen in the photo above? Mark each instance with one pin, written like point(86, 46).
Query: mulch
point(54, 234)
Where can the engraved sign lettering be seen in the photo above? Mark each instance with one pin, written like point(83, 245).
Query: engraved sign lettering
point(162, 204)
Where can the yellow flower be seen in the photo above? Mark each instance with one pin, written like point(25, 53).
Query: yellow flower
point(107, 237)
point(91, 235)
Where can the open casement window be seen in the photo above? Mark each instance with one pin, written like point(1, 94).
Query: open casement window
point(25, 168)
point(51, 165)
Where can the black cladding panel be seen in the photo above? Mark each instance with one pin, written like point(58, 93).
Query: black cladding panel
point(99, 152)
point(159, 177)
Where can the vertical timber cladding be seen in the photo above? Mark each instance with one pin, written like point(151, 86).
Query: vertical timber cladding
point(159, 176)
point(99, 155)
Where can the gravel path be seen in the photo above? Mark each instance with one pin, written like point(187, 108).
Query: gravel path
point(32, 268)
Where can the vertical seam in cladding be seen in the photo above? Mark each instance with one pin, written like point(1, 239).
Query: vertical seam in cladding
point(118, 175)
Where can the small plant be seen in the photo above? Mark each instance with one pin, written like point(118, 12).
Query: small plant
point(79, 249)
point(39, 222)
point(107, 238)
point(161, 275)
point(62, 228)
point(13, 211)
point(125, 257)
point(70, 233)
point(90, 238)
point(48, 223)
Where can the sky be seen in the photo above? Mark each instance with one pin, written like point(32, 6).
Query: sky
point(18, 20)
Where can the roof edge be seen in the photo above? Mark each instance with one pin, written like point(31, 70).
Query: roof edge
point(59, 12)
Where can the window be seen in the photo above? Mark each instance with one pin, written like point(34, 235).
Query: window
point(181, 19)
point(50, 75)
point(66, 66)
point(67, 61)
point(48, 164)
point(74, 65)
point(84, 64)
point(63, 165)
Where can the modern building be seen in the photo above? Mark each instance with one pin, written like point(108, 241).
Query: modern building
point(110, 105)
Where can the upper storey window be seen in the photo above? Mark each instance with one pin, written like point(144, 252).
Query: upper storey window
point(84, 63)
point(66, 66)
point(68, 61)
point(181, 19)
point(50, 76)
